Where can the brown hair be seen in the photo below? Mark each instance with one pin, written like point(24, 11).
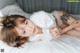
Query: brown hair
point(65, 17)
point(9, 33)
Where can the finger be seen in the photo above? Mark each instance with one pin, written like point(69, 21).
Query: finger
point(58, 34)
point(52, 28)
point(55, 35)
point(53, 31)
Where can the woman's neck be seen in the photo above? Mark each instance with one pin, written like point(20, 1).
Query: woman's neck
point(39, 30)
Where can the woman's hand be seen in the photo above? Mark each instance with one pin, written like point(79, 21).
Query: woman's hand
point(55, 32)
point(75, 24)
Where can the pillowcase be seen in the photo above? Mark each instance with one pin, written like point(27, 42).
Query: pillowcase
point(5, 47)
point(14, 10)
point(76, 16)
point(1, 15)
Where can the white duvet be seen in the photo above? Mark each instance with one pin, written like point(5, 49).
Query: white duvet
point(49, 44)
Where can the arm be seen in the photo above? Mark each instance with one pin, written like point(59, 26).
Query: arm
point(77, 28)
point(64, 30)
point(63, 26)
point(74, 25)
point(73, 33)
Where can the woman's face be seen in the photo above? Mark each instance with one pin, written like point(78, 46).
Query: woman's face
point(26, 29)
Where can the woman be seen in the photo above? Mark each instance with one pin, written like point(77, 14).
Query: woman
point(45, 42)
point(16, 29)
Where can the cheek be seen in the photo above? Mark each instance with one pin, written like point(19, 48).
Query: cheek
point(28, 33)
point(31, 27)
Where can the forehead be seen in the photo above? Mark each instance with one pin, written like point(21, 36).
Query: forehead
point(20, 20)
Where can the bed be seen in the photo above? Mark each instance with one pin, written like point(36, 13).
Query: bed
point(26, 8)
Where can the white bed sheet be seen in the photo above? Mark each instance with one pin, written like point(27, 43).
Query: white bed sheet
point(65, 44)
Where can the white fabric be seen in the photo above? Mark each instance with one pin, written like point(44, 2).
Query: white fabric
point(41, 19)
point(49, 44)
point(5, 47)
point(14, 10)
point(1, 15)
point(55, 13)
point(46, 36)
point(64, 44)
point(76, 16)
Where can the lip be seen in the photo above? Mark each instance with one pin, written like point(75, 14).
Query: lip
point(34, 30)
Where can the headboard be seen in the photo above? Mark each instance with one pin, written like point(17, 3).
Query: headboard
point(31, 6)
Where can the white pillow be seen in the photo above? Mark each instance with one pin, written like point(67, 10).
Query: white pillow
point(76, 16)
point(1, 15)
point(14, 9)
point(5, 47)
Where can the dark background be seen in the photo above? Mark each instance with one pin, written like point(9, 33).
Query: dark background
point(31, 6)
